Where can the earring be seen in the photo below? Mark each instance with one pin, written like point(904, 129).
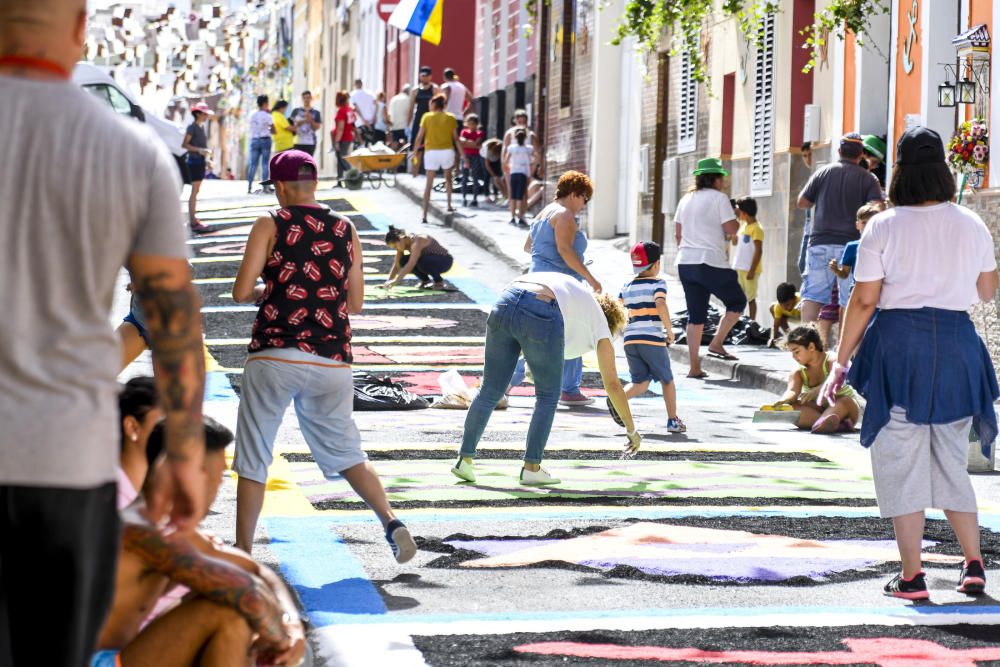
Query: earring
point(134, 437)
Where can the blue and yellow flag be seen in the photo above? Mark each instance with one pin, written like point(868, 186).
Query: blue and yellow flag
point(419, 17)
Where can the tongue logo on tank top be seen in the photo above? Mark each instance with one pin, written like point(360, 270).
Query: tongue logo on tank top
point(323, 316)
point(297, 317)
point(340, 228)
point(311, 270)
point(286, 273)
point(284, 214)
point(320, 248)
point(294, 234)
point(328, 293)
point(337, 267)
point(296, 292)
point(275, 259)
point(314, 224)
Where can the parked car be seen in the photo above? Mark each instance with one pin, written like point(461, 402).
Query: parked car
point(91, 78)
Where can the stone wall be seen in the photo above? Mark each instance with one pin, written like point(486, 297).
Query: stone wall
point(987, 315)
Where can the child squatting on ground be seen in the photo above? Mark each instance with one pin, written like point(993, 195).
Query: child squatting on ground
point(804, 386)
point(645, 297)
point(748, 250)
point(786, 309)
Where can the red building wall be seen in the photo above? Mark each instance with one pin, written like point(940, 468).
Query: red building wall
point(456, 50)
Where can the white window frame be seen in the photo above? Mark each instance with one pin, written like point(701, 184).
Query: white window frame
point(762, 156)
point(687, 108)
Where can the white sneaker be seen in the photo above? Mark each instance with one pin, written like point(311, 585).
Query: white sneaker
point(501, 404)
point(464, 470)
point(536, 477)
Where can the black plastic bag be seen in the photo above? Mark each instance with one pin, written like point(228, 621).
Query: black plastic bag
point(744, 332)
point(373, 393)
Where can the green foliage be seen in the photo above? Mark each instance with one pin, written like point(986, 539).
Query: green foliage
point(839, 17)
point(649, 20)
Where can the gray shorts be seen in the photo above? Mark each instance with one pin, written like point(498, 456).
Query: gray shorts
point(918, 466)
point(324, 403)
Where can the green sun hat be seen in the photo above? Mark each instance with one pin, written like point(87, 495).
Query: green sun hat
point(710, 165)
point(875, 146)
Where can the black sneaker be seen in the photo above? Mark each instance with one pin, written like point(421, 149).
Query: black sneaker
point(522, 223)
point(973, 579)
point(914, 589)
point(399, 539)
point(614, 414)
point(474, 204)
point(513, 221)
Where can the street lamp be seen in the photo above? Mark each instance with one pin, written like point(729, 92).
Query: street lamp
point(966, 92)
point(946, 95)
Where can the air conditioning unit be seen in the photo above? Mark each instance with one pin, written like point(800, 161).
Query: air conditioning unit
point(810, 124)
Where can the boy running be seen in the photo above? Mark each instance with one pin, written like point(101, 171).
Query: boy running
point(645, 341)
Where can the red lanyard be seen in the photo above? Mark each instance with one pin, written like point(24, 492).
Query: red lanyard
point(34, 63)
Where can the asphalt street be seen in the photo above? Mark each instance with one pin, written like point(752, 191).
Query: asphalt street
point(734, 543)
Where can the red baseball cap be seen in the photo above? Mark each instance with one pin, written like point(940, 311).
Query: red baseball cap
point(644, 255)
point(201, 107)
point(288, 166)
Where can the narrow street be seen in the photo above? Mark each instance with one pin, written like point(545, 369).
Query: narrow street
point(746, 538)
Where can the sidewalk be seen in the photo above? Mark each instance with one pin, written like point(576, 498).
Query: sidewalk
point(488, 226)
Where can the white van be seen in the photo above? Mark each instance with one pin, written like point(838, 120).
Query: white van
point(91, 78)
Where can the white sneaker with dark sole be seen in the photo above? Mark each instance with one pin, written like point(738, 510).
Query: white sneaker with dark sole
point(464, 470)
point(537, 477)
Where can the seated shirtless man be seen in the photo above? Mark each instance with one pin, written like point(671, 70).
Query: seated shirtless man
point(237, 612)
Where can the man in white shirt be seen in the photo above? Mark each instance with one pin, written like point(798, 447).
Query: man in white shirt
point(261, 129)
point(399, 120)
point(364, 104)
point(456, 94)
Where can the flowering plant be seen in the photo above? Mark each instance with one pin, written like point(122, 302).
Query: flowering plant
point(969, 148)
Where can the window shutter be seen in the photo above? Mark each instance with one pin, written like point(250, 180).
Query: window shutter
point(762, 159)
point(687, 129)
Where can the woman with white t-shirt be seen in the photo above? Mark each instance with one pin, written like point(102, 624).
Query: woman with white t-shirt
point(703, 221)
point(548, 317)
point(922, 367)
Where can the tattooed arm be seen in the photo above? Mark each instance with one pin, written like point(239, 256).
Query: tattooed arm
point(214, 579)
point(173, 314)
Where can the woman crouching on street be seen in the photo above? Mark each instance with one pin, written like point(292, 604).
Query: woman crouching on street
point(921, 365)
point(419, 254)
point(548, 317)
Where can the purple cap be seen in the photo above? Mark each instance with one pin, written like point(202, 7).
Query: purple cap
point(287, 166)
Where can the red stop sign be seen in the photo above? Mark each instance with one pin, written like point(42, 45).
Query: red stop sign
point(385, 8)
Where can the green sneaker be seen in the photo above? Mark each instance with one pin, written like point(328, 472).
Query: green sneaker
point(464, 470)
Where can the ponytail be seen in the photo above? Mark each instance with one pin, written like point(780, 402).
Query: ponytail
point(394, 234)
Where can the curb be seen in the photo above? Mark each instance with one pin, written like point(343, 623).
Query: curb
point(748, 375)
point(469, 230)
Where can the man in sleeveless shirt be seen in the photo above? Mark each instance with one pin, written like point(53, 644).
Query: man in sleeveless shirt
point(309, 259)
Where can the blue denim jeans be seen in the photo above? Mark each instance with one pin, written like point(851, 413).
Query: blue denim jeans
point(519, 323)
point(572, 375)
point(472, 176)
point(260, 150)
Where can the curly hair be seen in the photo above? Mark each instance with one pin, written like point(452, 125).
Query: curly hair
point(614, 312)
point(574, 183)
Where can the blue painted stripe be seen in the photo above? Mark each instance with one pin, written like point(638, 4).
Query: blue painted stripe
point(218, 388)
point(330, 581)
point(475, 290)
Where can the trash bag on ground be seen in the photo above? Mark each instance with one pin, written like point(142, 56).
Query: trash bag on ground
point(455, 394)
point(744, 332)
point(374, 393)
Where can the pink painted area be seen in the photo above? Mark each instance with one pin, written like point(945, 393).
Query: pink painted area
point(425, 383)
point(669, 550)
point(431, 354)
point(363, 355)
point(399, 322)
point(882, 652)
point(234, 248)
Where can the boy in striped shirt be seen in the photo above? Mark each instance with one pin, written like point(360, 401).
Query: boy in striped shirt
point(645, 340)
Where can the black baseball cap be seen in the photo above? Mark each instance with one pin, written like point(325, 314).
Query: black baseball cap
point(425, 70)
point(919, 145)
